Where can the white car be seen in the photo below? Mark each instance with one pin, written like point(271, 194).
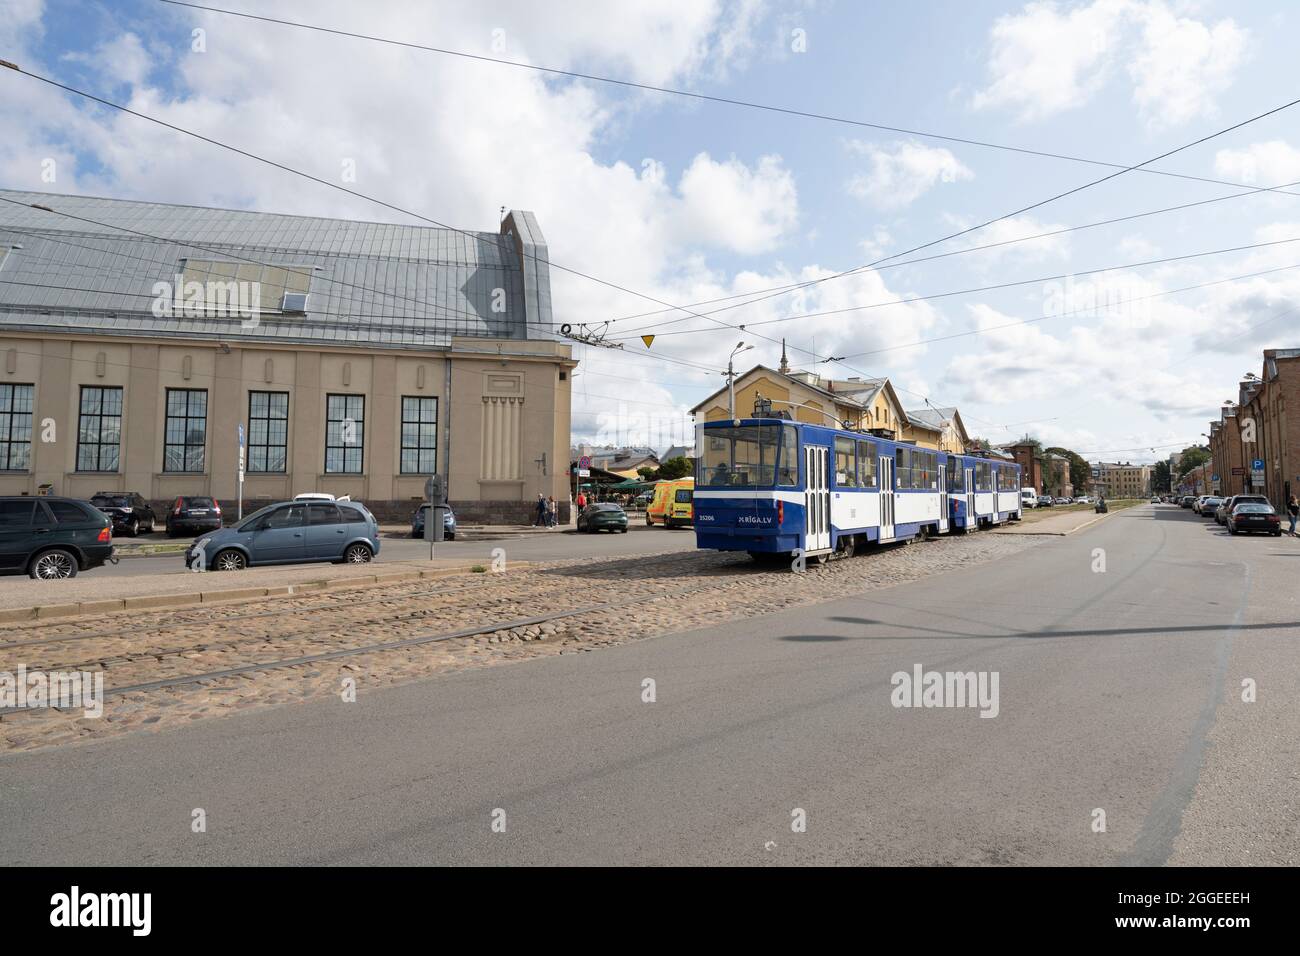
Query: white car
point(1083, 500)
point(1028, 498)
point(320, 496)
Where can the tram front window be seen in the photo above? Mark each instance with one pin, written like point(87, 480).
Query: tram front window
point(745, 456)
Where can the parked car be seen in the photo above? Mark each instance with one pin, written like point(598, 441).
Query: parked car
point(448, 523)
point(603, 516)
point(51, 538)
point(1028, 498)
point(1209, 505)
point(1062, 501)
point(320, 496)
point(1044, 501)
point(1222, 512)
point(193, 514)
point(1083, 500)
point(128, 511)
point(1186, 501)
point(291, 532)
point(1155, 500)
point(1252, 516)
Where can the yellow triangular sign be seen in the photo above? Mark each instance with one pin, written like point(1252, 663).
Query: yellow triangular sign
point(647, 339)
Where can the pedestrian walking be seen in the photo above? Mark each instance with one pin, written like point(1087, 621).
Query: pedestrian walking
point(582, 501)
point(552, 512)
point(1294, 510)
point(541, 511)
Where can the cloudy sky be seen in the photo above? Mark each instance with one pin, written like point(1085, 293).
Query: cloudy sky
point(680, 202)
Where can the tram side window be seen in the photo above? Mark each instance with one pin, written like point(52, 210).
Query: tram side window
point(788, 472)
point(903, 469)
point(924, 470)
point(866, 464)
point(846, 471)
point(983, 476)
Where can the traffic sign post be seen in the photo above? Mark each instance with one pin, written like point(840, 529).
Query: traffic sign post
point(239, 514)
point(1257, 473)
point(435, 492)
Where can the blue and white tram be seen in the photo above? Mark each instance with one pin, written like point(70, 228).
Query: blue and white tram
point(773, 486)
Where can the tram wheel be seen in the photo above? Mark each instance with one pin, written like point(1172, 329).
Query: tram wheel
point(848, 546)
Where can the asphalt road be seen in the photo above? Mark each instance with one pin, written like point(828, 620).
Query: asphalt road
point(1118, 691)
point(552, 546)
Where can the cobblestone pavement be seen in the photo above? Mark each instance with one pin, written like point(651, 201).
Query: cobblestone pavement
point(656, 595)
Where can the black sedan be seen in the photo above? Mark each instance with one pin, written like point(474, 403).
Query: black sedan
point(193, 515)
point(1252, 516)
point(603, 516)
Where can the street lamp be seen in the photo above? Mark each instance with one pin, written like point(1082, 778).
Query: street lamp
point(731, 380)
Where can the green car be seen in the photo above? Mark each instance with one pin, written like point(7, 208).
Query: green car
point(603, 516)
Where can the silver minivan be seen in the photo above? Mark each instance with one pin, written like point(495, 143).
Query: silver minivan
point(293, 532)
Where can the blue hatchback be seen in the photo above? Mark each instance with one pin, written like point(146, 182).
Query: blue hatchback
point(295, 532)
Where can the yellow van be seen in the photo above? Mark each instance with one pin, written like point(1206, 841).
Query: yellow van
point(671, 504)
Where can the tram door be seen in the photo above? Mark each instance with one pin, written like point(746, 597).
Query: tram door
point(886, 497)
point(943, 497)
point(972, 520)
point(817, 500)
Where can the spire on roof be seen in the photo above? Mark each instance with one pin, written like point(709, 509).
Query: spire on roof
point(785, 362)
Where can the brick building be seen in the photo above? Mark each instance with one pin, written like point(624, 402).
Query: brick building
point(1269, 406)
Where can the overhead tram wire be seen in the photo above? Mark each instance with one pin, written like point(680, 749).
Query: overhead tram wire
point(748, 326)
point(797, 286)
point(694, 95)
point(1060, 315)
point(1023, 209)
point(1141, 167)
point(357, 194)
point(607, 283)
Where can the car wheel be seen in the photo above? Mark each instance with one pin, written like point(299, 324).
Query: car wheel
point(357, 554)
point(54, 565)
point(622, 530)
point(229, 560)
point(132, 528)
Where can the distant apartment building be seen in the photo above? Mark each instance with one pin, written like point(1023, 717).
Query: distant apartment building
point(1121, 479)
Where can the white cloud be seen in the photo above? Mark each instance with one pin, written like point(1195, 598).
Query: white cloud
point(1263, 164)
point(903, 172)
point(1046, 60)
point(730, 205)
point(122, 60)
point(1183, 64)
point(1014, 232)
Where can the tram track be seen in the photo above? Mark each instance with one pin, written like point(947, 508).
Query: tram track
point(379, 647)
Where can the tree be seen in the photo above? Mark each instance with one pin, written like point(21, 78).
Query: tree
point(1080, 470)
point(1160, 477)
point(1193, 457)
point(678, 467)
point(646, 472)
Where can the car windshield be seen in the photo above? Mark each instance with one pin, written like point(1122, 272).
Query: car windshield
point(197, 502)
point(747, 456)
point(1252, 508)
point(111, 501)
point(603, 506)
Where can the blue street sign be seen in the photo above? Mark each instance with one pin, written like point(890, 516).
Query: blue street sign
point(1257, 464)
